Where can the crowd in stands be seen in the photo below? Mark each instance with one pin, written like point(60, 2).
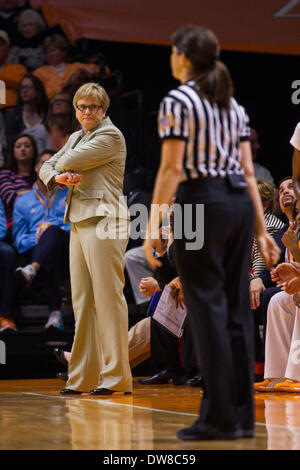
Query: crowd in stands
point(36, 119)
point(35, 122)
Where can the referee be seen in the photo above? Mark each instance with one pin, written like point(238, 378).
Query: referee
point(205, 153)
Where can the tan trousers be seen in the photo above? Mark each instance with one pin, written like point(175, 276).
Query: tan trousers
point(99, 356)
point(139, 342)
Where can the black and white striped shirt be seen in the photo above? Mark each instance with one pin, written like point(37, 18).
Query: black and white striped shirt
point(212, 134)
point(272, 224)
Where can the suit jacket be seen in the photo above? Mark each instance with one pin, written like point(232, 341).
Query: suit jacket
point(99, 155)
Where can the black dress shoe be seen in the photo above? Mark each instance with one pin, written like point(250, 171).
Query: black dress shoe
point(60, 356)
point(204, 432)
point(160, 378)
point(180, 379)
point(105, 391)
point(62, 375)
point(69, 391)
point(196, 381)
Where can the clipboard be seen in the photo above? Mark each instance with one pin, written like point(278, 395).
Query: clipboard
point(168, 315)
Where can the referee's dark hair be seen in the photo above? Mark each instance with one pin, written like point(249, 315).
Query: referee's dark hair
point(201, 47)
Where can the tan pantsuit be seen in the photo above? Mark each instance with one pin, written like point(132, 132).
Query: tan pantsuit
point(99, 356)
point(99, 353)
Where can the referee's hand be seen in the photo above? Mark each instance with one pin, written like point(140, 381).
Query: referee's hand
point(269, 249)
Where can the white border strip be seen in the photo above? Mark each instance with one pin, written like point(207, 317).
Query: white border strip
point(283, 12)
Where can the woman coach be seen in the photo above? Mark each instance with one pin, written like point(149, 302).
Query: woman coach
point(92, 165)
point(205, 152)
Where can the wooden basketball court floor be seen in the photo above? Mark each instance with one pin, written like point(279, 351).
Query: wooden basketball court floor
point(34, 416)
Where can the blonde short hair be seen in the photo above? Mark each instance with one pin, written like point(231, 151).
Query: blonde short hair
point(92, 90)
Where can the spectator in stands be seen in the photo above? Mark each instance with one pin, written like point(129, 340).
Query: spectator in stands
point(10, 74)
point(262, 288)
point(3, 142)
point(30, 114)
point(286, 201)
point(18, 175)
point(282, 371)
point(59, 76)
point(137, 267)
point(8, 260)
point(267, 194)
point(29, 50)
point(35, 4)
point(261, 172)
point(39, 232)
point(9, 13)
point(61, 120)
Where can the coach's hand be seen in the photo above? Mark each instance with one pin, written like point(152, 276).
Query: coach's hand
point(68, 178)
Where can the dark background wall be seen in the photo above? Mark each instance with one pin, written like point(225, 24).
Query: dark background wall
point(263, 84)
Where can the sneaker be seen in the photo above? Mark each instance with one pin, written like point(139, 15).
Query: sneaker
point(295, 387)
point(284, 386)
point(7, 324)
point(267, 385)
point(26, 274)
point(55, 320)
point(261, 386)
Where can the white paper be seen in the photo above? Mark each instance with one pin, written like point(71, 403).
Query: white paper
point(168, 315)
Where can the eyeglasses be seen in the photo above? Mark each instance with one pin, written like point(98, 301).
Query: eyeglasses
point(26, 87)
point(93, 108)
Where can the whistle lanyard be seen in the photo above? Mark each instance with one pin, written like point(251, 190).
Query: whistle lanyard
point(49, 202)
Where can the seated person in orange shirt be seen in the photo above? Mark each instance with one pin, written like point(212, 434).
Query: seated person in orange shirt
point(10, 74)
point(59, 76)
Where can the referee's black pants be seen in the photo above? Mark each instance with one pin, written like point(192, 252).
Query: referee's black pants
point(215, 282)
